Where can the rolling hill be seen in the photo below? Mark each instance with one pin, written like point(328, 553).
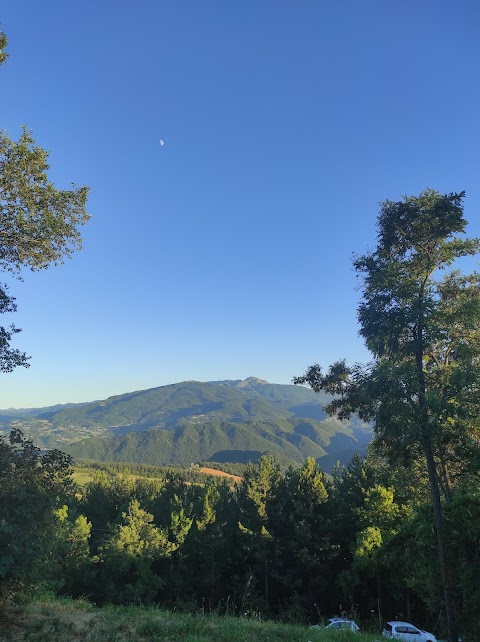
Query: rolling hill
point(223, 421)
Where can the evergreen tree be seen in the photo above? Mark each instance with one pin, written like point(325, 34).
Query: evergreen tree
point(258, 486)
point(128, 556)
point(300, 529)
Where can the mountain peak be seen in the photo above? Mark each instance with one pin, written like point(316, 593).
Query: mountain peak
point(252, 381)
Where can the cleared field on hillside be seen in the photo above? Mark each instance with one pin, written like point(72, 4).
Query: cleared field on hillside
point(219, 473)
point(83, 475)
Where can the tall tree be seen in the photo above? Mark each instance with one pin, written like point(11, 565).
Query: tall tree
point(32, 487)
point(380, 517)
point(39, 223)
point(422, 388)
point(300, 529)
point(258, 486)
point(128, 557)
point(68, 567)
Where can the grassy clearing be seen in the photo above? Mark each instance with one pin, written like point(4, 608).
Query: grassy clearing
point(82, 477)
point(78, 621)
point(220, 473)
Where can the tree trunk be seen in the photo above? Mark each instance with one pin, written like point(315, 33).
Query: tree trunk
point(446, 484)
point(266, 583)
point(379, 598)
point(432, 472)
point(442, 549)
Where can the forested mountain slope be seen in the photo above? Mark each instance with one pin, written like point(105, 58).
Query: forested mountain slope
point(225, 421)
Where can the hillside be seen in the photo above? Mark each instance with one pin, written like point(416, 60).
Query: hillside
point(224, 421)
point(75, 620)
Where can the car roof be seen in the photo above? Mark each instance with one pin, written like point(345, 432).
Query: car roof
point(402, 623)
point(339, 619)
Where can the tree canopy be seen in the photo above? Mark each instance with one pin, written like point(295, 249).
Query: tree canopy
point(39, 223)
point(3, 44)
point(422, 326)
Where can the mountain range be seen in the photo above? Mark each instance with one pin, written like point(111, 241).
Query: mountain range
point(232, 421)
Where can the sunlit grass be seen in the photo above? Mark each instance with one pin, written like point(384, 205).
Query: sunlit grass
point(82, 477)
point(78, 621)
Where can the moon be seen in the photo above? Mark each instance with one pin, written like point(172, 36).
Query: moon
point(162, 143)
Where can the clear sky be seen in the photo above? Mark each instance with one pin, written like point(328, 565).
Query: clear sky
point(226, 252)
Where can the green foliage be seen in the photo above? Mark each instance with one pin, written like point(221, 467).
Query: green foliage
point(259, 483)
point(289, 545)
point(380, 519)
point(421, 390)
point(32, 487)
point(10, 358)
point(462, 516)
point(104, 500)
point(380, 509)
point(128, 555)
point(88, 469)
point(3, 46)
point(39, 222)
point(67, 566)
point(300, 532)
point(231, 469)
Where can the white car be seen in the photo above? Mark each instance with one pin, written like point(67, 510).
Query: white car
point(406, 631)
point(342, 623)
point(338, 623)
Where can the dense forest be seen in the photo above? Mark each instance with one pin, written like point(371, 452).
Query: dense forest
point(292, 545)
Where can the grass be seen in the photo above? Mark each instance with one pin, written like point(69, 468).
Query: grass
point(82, 477)
point(79, 621)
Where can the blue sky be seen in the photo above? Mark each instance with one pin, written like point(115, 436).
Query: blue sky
point(226, 252)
